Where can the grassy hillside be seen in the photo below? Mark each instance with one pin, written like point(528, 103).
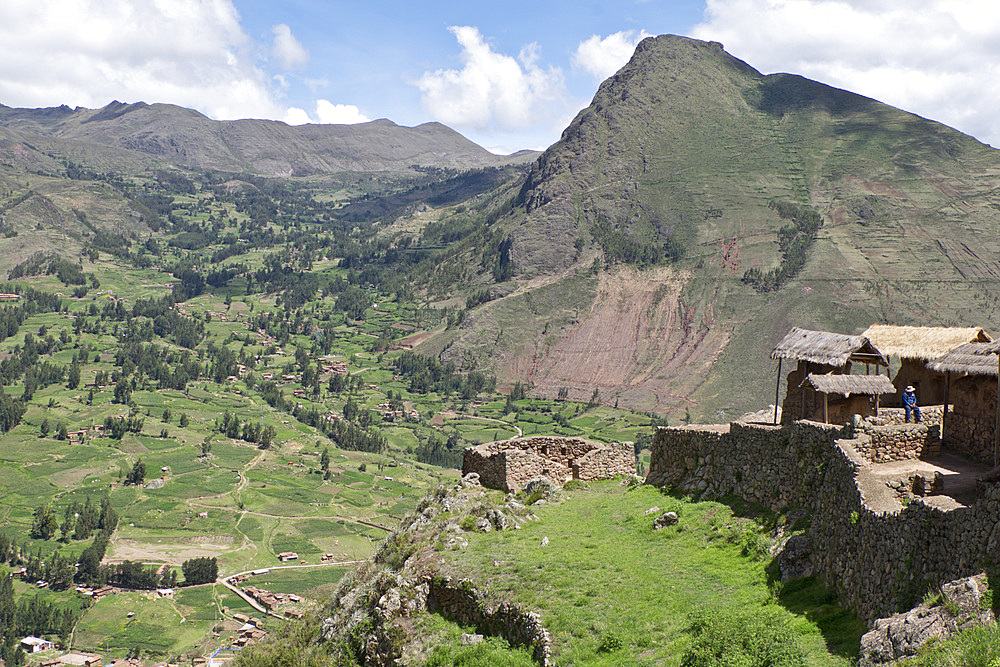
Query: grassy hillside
point(608, 587)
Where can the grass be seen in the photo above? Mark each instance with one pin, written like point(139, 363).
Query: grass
point(606, 576)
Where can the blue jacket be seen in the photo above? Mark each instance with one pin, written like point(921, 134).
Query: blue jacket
point(909, 398)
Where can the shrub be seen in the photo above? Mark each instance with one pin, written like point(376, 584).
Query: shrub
point(742, 639)
point(491, 652)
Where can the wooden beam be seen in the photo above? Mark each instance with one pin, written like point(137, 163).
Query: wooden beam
point(944, 413)
point(826, 412)
point(777, 389)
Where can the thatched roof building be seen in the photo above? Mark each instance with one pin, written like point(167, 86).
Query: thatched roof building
point(869, 385)
point(826, 348)
point(846, 395)
point(970, 358)
point(924, 343)
point(974, 427)
point(915, 346)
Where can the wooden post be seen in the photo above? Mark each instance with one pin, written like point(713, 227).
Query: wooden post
point(876, 404)
point(826, 413)
point(777, 389)
point(944, 412)
point(996, 426)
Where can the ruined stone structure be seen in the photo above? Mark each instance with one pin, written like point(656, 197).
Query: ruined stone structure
point(880, 555)
point(509, 464)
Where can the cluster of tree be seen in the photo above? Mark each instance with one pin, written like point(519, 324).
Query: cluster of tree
point(427, 374)
point(619, 246)
point(794, 241)
point(32, 302)
point(248, 431)
point(117, 427)
point(29, 616)
point(79, 520)
point(200, 571)
point(437, 451)
point(48, 263)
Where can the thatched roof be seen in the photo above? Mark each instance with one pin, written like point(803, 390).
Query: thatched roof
point(924, 343)
point(823, 347)
point(971, 358)
point(830, 383)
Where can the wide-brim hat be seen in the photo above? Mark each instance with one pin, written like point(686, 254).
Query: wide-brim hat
point(909, 387)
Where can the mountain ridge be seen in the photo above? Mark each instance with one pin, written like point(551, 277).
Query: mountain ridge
point(188, 138)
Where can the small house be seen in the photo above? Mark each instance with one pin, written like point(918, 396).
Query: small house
point(288, 555)
point(818, 353)
point(915, 347)
point(36, 644)
point(972, 375)
point(847, 395)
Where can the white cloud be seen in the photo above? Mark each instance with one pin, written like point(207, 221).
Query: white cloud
point(327, 112)
point(87, 52)
point(936, 58)
point(492, 89)
point(602, 57)
point(288, 50)
point(296, 116)
point(339, 114)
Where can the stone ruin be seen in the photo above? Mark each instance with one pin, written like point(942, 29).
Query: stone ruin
point(510, 464)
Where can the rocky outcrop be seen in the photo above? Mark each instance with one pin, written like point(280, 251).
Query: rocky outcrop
point(370, 615)
point(902, 635)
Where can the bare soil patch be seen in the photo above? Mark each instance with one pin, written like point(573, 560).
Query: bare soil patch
point(640, 344)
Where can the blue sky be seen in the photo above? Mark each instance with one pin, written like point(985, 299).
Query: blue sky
point(507, 75)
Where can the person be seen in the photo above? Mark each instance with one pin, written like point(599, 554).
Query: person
point(910, 403)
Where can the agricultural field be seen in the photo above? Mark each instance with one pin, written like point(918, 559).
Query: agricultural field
point(267, 397)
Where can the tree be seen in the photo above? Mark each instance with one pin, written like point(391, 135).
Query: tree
point(137, 475)
point(61, 432)
point(200, 571)
point(324, 459)
point(184, 420)
point(45, 523)
point(44, 428)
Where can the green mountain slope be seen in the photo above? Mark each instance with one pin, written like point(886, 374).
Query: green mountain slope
point(688, 151)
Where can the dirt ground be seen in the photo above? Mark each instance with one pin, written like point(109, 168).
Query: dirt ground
point(171, 552)
point(640, 344)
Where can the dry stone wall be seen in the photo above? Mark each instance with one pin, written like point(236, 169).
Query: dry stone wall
point(881, 444)
point(879, 555)
point(510, 464)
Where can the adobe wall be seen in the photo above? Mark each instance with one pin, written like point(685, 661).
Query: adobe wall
point(509, 464)
point(880, 556)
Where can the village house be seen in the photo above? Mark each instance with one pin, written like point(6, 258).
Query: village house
point(971, 377)
point(36, 644)
point(915, 347)
point(823, 353)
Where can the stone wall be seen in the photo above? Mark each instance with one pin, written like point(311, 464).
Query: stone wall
point(775, 466)
point(880, 556)
point(509, 464)
point(971, 426)
point(881, 444)
point(929, 414)
point(463, 603)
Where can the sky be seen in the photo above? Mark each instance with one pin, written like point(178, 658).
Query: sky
point(507, 75)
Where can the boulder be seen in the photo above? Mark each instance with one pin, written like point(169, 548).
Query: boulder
point(665, 519)
point(795, 558)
